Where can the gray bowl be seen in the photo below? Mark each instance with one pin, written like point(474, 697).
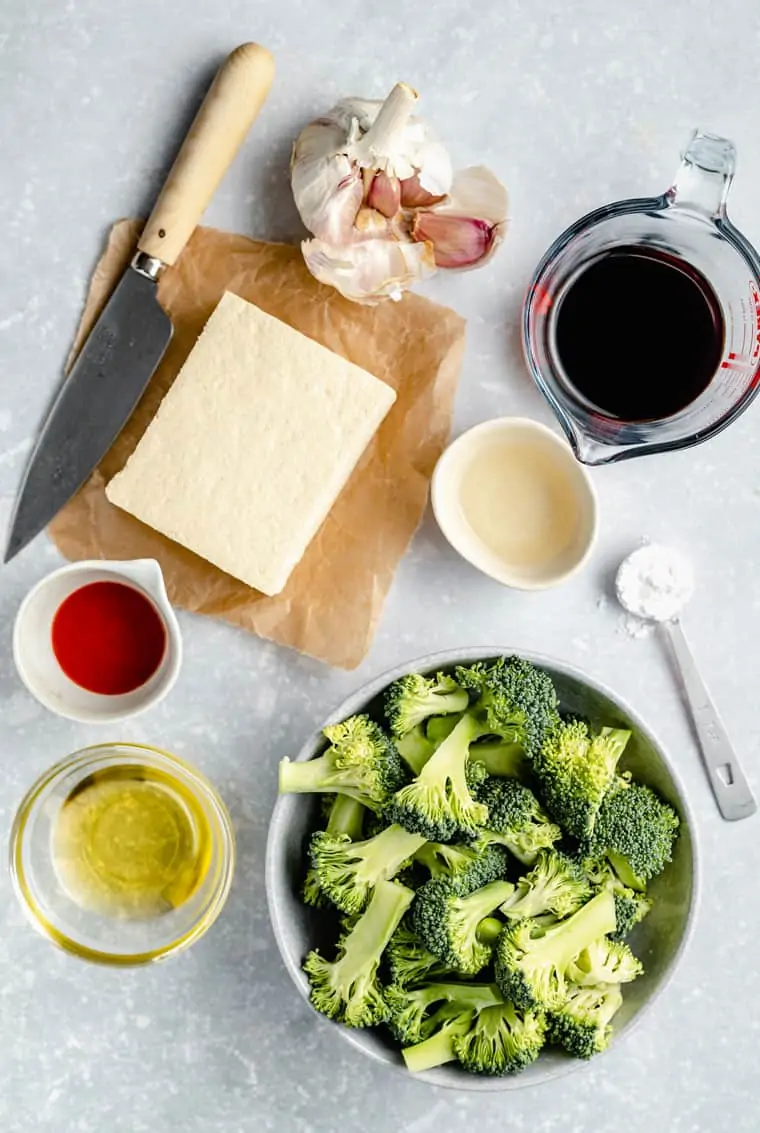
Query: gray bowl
point(659, 941)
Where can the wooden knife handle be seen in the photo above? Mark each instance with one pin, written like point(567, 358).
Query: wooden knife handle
point(233, 101)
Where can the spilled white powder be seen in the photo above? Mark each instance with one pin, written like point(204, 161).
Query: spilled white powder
point(655, 583)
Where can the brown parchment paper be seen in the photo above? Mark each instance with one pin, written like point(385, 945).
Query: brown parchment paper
point(332, 603)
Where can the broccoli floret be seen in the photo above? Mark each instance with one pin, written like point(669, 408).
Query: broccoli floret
point(636, 830)
point(454, 925)
point(605, 961)
point(411, 699)
point(532, 963)
point(582, 1024)
point(438, 804)
point(415, 749)
point(630, 910)
point(450, 1022)
point(555, 885)
point(516, 819)
point(344, 815)
point(630, 906)
point(575, 770)
point(348, 871)
point(501, 1040)
point(506, 760)
point(471, 867)
point(361, 761)
point(514, 701)
point(412, 1011)
point(409, 962)
point(348, 989)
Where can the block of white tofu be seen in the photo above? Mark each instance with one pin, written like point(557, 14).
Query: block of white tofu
point(251, 445)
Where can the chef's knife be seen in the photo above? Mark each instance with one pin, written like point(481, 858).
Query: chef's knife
point(129, 339)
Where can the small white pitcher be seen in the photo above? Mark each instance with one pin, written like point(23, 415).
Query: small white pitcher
point(33, 647)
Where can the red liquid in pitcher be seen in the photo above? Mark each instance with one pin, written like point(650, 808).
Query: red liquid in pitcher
point(639, 334)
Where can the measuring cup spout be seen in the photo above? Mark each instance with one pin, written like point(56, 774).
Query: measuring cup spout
point(703, 180)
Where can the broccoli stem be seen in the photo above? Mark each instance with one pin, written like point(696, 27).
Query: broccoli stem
point(439, 1048)
point(483, 901)
point(370, 936)
point(505, 760)
point(489, 930)
point(316, 776)
point(625, 873)
point(388, 851)
point(451, 756)
point(562, 943)
point(415, 749)
point(346, 817)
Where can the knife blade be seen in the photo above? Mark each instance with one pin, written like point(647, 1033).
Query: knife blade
point(128, 341)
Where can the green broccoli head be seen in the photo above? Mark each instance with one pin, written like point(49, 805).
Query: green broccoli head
point(409, 962)
point(448, 921)
point(637, 831)
point(501, 1040)
point(411, 699)
point(515, 700)
point(532, 962)
point(605, 961)
point(471, 867)
point(575, 770)
point(343, 815)
point(439, 803)
point(348, 871)
point(630, 910)
point(361, 762)
point(582, 1024)
point(516, 819)
point(412, 1012)
point(555, 885)
point(348, 988)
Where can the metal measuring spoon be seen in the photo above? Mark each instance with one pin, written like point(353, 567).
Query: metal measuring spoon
point(654, 584)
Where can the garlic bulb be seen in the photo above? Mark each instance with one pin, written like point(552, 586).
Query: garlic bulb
point(376, 190)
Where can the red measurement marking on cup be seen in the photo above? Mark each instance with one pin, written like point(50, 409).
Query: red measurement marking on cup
point(734, 361)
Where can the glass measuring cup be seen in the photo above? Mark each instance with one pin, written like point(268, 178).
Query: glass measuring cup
point(687, 223)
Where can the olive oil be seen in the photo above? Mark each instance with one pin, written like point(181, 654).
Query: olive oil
point(131, 842)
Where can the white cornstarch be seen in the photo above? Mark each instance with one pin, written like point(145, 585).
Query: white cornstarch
point(655, 583)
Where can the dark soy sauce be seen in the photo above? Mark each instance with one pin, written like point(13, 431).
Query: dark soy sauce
point(639, 334)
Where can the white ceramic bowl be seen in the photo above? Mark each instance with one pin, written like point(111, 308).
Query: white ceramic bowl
point(659, 940)
point(33, 648)
point(556, 481)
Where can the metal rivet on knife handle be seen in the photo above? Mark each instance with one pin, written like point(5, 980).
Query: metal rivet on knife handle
point(233, 101)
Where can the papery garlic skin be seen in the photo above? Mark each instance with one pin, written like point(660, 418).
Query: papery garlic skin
point(369, 271)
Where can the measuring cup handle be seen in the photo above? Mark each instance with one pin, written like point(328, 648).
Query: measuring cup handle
point(703, 180)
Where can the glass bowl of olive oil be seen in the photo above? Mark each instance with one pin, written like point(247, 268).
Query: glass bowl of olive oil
point(122, 854)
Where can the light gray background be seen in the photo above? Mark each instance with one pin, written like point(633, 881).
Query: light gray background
point(573, 104)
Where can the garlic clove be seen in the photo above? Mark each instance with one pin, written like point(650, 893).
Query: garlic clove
point(413, 196)
point(370, 223)
point(457, 241)
point(384, 194)
point(468, 227)
point(369, 271)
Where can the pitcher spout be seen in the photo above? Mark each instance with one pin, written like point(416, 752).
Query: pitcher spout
point(704, 178)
